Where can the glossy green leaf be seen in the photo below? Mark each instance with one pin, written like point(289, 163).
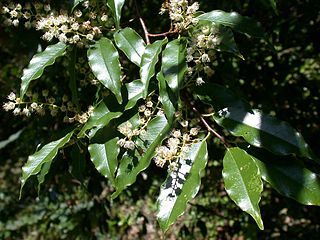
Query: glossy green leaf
point(130, 42)
point(219, 97)
point(104, 157)
point(44, 155)
point(292, 180)
point(135, 92)
point(135, 161)
point(236, 22)
point(38, 63)
point(174, 63)
point(43, 172)
point(227, 42)
point(181, 185)
point(116, 7)
point(100, 117)
point(263, 131)
point(104, 62)
point(149, 61)
point(242, 181)
point(167, 98)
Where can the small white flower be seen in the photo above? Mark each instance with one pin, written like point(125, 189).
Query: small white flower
point(9, 106)
point(199, 81)
point(104, 18)
point(12, 96)
point(129, 145)
point(149, 104)
point(89, 36)
point(194, 131)
point(17, 111)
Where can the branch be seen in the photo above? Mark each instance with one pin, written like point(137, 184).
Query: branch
point(145, 30)
point(210, 129)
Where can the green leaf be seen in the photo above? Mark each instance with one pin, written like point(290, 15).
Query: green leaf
point(243, 182)
point(149, 61)
point(43, 172)
point(38, 63)
point(134, 162)
point(75, 4)
point(11, 139)
point(263, 131)
point(135, 92)
point(116, 7)
point(99, 118)
point(219, 97)
point(104, 62)
point(44, 155)
point(237, 22)
point(292, 180)
point(274, 5)
point(167, 98)
point(181, 185)
point(174, 63)
point(227, 42)
point(130, 42)
point(104, 157)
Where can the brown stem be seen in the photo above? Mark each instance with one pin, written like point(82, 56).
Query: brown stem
point(170, 32)
point(145, 30)
point(210, 129)
point(206, 124)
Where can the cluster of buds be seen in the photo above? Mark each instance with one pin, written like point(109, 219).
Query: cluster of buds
point(14, 14)
point(181, 14)
point(146, 112)
point(26, 108)
point(177, 145)
point(201, 52)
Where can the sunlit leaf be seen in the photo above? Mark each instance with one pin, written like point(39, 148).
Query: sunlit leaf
point(100, 117)
point(104, 157)
point(236, 22)
point(167, 98)
point(242, 181)
point(174, 63)
point(263, 131)
point(181, 185)
point(135, 161)
point(44, 155)
point(116, 7)
point(104, 62)
point(38, 63)
point(149, 61)
point(135, 92)
point(130, 42)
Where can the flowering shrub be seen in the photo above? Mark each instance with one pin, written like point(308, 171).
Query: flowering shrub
point(168, 116)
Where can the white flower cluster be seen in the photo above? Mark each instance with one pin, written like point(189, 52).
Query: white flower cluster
point(80, 28)
point(68, 29)
point(181, 14)
point(201, 52)
point(26, 108)
point(146, 112)
point(177, 145)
